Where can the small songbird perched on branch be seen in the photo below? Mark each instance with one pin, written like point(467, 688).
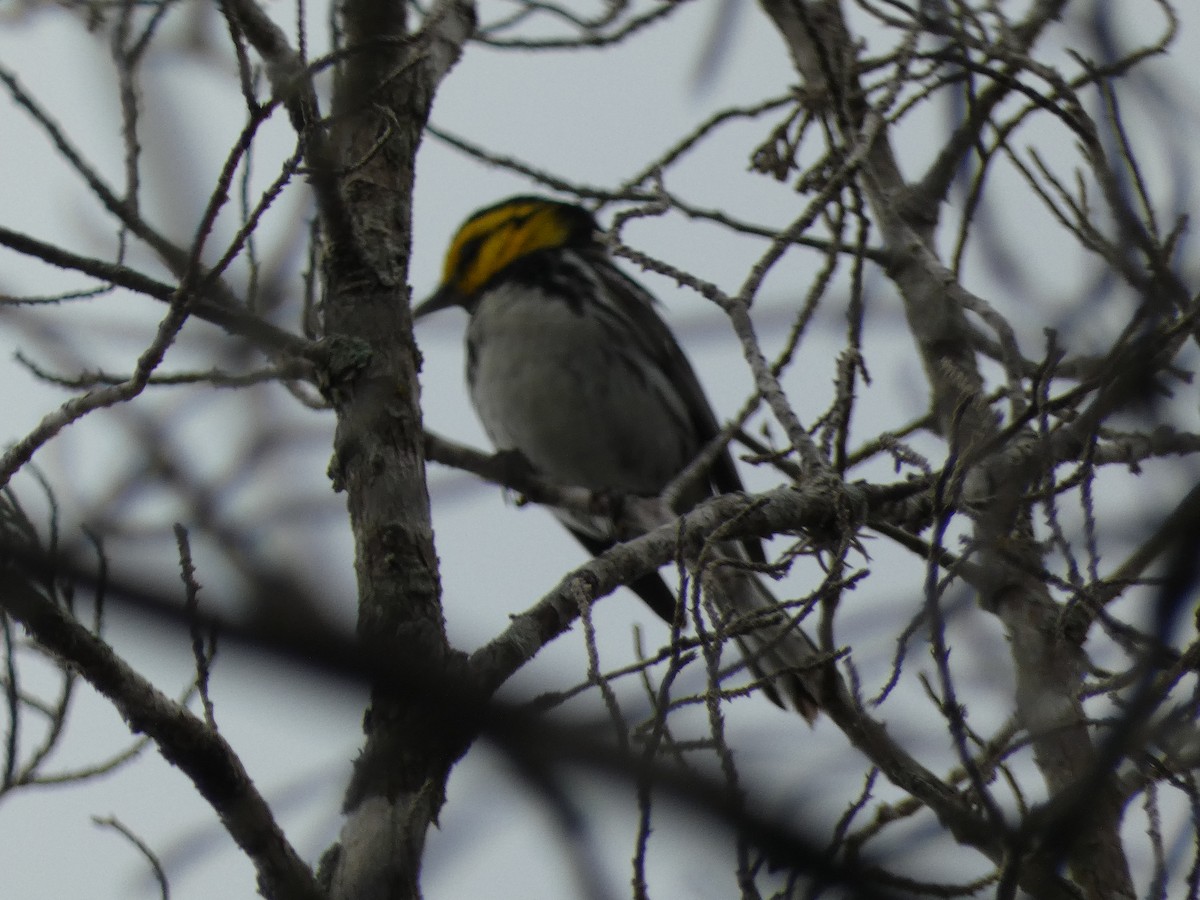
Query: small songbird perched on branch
point(569, 364)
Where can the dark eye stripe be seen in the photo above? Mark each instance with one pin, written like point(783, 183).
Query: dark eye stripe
point(467, 254)
point(468, 249)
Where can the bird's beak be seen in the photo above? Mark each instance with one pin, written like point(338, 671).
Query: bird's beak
point(443, 298)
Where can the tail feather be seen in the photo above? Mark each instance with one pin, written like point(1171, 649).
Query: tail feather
point(776, 649)
point(786, 663)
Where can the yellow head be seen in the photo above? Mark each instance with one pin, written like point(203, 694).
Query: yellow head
point(492, 239)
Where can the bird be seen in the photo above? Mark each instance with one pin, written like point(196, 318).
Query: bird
point(569, 365)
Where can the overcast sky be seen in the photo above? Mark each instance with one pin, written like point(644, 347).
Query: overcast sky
point(593, 117)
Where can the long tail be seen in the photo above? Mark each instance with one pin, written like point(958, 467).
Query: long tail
point(775, 647)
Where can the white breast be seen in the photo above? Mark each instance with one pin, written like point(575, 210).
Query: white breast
point(582, 408)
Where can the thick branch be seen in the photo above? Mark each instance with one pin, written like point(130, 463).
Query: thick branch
point(1049, 665)
point(383, 93)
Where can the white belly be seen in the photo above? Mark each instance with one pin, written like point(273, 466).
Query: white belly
point(581, 412)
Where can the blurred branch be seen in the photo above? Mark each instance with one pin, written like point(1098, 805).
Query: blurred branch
point(142, 847)
point(184, 740)
point(232, 318)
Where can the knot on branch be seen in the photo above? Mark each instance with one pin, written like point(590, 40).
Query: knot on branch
point(339, 361)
